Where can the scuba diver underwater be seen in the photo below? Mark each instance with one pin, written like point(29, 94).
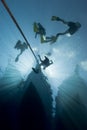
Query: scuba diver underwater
point(73, 27)
point(44, 63)
point(39, 30)
point(20, 46)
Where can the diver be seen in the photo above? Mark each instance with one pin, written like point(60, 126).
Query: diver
point(44, 63)
point(21, 47)
point(39, 29)
point(73, 28)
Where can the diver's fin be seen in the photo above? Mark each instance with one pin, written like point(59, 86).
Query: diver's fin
point(44, 40)
point(55, 18)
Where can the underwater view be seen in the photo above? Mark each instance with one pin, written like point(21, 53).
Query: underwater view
point(43, 65)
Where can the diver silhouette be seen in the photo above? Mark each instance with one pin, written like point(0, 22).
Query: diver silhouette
point(21, 47)
point(39, 30)
point(73, 28)
point(44, 63)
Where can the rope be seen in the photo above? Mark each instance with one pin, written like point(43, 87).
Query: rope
point(17, 25)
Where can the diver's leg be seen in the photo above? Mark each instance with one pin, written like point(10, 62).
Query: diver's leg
point(48, 39)
point(35, 34)
point(55, 18)
point(63, 33)
point(17, 58)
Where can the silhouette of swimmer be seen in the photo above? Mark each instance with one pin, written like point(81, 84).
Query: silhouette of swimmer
point(21, 47)
point(39, 29)
point(44, 63)
point(73, 28)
